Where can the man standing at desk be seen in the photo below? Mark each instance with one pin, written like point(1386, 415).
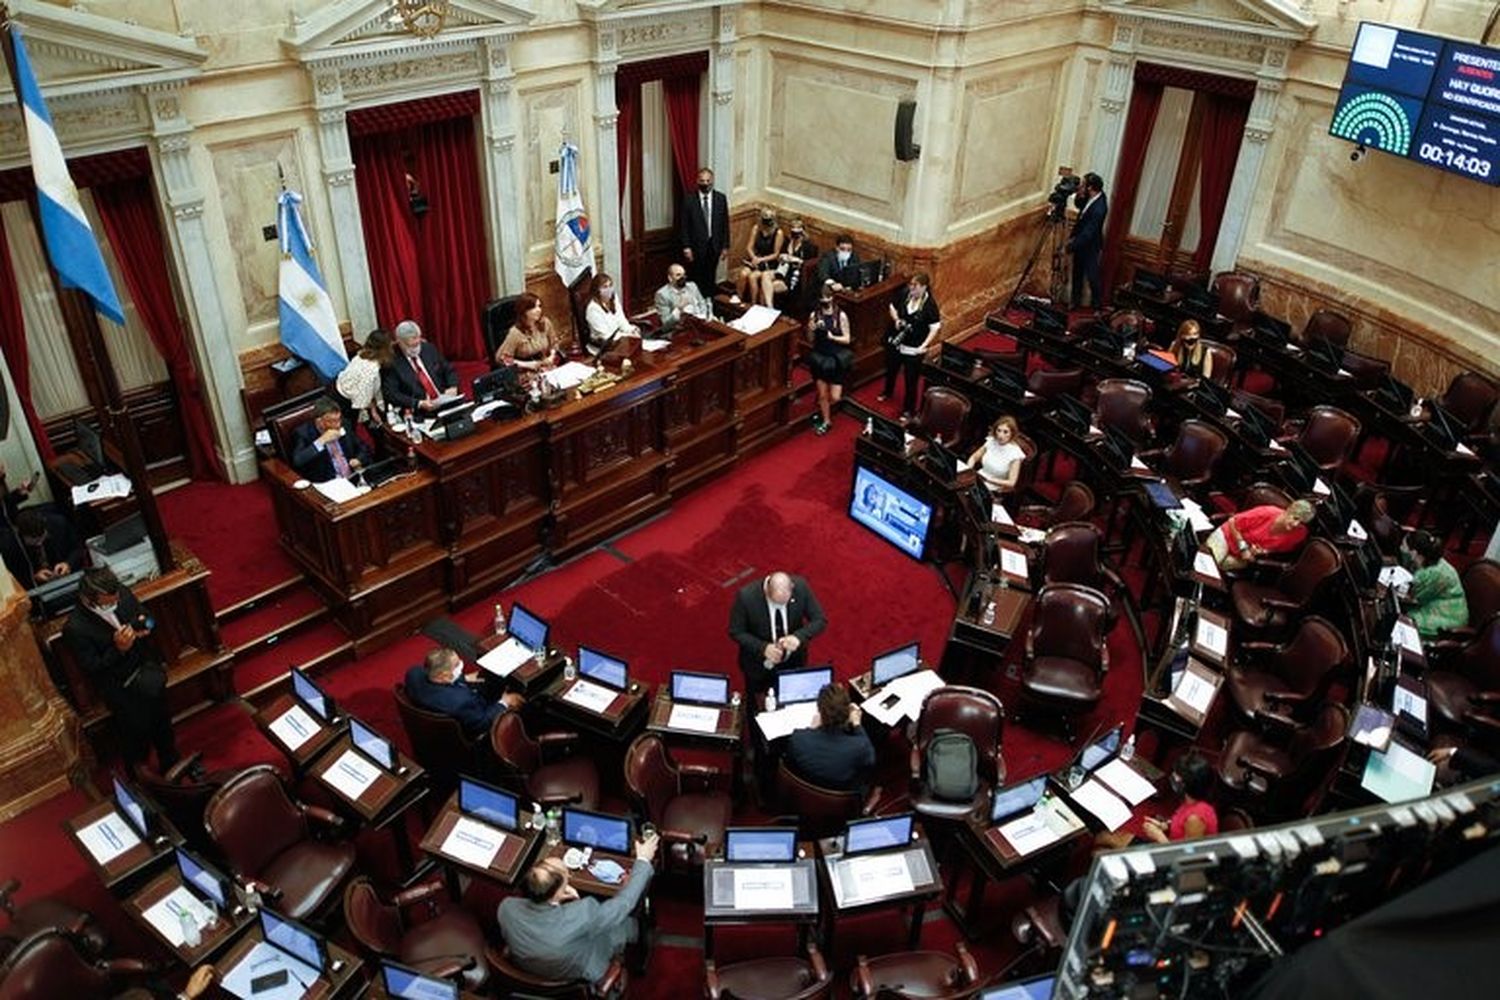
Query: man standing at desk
point(772, 621)
point(554, 933)
point(438, 685)
point(325, 448)
point(418, 374)
point(704, 231)
point(679, 297)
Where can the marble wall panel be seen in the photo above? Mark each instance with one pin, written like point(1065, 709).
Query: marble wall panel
point(548, 115)
point(1007, 126)
point(248, 186)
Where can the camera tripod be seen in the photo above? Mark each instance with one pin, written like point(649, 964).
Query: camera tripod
point(1054, 232)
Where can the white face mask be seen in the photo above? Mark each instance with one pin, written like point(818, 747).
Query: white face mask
point(607, 292)
point(843, 257)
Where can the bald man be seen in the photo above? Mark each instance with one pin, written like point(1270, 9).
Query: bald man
point(679, 297)
point(772, 621)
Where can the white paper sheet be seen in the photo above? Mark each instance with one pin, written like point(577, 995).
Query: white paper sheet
point(1320, 488)
point(1013, 562)
point(695, 718)
point(1000, 515)
point(1464, 449)
point(472, 842)
point(1405, 636)
point(587, 694)
point(506, 658)
point(785, 721)
point(1403, 699)
point(1028, 394)
point(104, 488)
point(483, 410)
point(1126, 782)
point(1194, 692)
point(910, 692)
point(261, 960)
point(1103, 803)
point(1032, 536)
point(1094, 431)
point(1356, 530)
point(1395, 576)
point(1275, 445)
point(294, 727)
point(351, 774)
point(1138, 465)
point(1204, 563)
point(565, 377)
point(340, 490)
point(756, 319)
point(108, 838)
point(650, 344)
point(1233, 414)
point(1196, 516)
point(879, 875)
point(763, 888)
point(1029, 832)
point(1212, 637)
point(166, 914)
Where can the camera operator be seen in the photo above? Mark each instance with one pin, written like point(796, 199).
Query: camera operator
point(1087, 242)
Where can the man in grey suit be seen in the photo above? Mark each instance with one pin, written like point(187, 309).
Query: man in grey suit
point(554, 933)
point(679, 297)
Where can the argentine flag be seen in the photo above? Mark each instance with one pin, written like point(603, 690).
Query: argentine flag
point(574, 254)
point(70, 242)
point(309, 328)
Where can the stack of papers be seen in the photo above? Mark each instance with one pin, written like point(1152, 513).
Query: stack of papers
point(340, 490)
point(473, 842)
point(876, 876)
point(567, 376)
point(108, 838)
point(1204, 565)
point(104, 488)
point(351, 775)
point(1104, 804)
point(1029, 832)
point(785, 721)
point(910, 691)
point(1212, 636)
point(1196, 516)
point(756, 319)
point(595, 697)
point(695, 718)
point(648, 344)
point(1395, 576)
point(506, 658)
point(294, 727)
point(763, 888)
point(483, 410)
point(1126, 782)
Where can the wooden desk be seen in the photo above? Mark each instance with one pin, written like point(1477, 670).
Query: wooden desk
point(386, 800)
point(511, 862)
point(804, 917)
point(869, 315)
point(215, 939)
point(529, 678)
point(831, 849)
point(584, 882)
point(992, 858)
point(347, 983)
point(304, 754)
point(616, 724)
point(726, 736)
point(122, 873)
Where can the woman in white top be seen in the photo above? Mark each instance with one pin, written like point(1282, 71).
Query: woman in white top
point(359, 382)
point(998, 460)
point(605, 316)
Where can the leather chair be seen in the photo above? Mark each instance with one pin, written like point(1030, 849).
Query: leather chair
point(1131, 319)
point(943, 416)
point(447, 945)
point(1255, 495)
point(509, 979)
point(779, 978)
point(978, 715)
point(1277, 770)
point(1039, 927)
point(264, 836)
point(440, 745)
point(1329, 434)
point(992, 359)
point(1122, 404)
point(1375, 515)
point(933, 975)
point(285, 417)
point(569, 780)
point(495, 320)
point(1239, 296)
point(1071, 554)
point(1465, 688)
point(183, 793)
point(1470, 397)
point(1193, 456)
point(1075, 503)
point(1050, 383)
point(685, 802)
point(47, 914)
point(1223, 361)
point(578, 302)
point(1481, 583)
point(1273, 605)
point(1066, 653)
point(55, 963)
point(1325, 324)
point(1272, 409)
point(1285, 677)
point(821, 812)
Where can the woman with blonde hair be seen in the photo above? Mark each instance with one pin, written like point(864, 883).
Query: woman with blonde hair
point(998, 461)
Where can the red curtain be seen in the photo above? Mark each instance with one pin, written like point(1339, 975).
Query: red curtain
point(628, 104)
point(128, 211)
point(13, 343)
point(1145, 100)
point(681, 96)
point(1223, 129)
point(433, 269)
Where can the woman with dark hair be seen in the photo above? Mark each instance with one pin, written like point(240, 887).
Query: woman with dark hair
point(1436, 594)
point(831, 358)
point(755, 282)
point(1193, 357)
point(358, 385)
point(606, 317)
point(1193, 778)
point(532, 342)
point(914, 327)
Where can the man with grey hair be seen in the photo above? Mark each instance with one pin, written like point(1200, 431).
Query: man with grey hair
point(438, 685)
point(418, 377)
point(772, 621)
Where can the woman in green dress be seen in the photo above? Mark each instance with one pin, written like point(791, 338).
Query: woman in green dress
point(1436, 595)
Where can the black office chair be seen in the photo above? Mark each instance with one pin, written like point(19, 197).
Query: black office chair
point(496, 319)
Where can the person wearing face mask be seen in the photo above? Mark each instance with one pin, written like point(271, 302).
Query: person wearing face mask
point(1435, 598)
point(554, 933)
point(606, 318)
point(326, 447)
point(1193, 356)
point(42, 546)
point(418, 377)
point(914, 329)
point(108, 634)
point(788, 275)
point(1086, 244)
point(703, 232)
point(831, 359)
point(755, 283)
point(438, 684)
point(839, 265)
point(1193, 779)
point(679, 297)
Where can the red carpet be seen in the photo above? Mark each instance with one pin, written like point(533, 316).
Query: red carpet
point(232, 529)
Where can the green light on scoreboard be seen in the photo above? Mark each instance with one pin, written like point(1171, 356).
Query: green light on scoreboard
point(1375, 120)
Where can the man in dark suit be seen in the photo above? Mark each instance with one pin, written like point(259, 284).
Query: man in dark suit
point(703, 232)
point(42, 546)
point(839, 265)
point(326, 447)
point(836, 753)
point(1087, 242)
point(772, 621)
point(418, 373)
point(108, 635)
point(438, 685)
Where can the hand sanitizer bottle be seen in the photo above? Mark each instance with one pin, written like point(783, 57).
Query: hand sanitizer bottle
point(771, 700)
point(1128, 750)
point(499, 622)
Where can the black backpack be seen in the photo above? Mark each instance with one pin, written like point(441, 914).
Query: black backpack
point(951, 769)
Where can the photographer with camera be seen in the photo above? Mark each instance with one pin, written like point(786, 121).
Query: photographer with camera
point(914, 328)
point(1087, 242)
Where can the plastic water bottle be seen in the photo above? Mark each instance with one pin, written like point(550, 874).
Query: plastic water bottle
point(988, 618)
point(538, 817)
point(499, 623)
point(1128, 750)
point(554, 827)
point(190, 933)
point(1416, 408)
point(869, 427)
point(413, 432)
point(771, 700)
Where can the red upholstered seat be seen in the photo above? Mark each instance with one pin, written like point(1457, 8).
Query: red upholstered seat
point(446, 944)
point(1278, 678)
point(545, 777)
point(684, 801)
point(773, 978)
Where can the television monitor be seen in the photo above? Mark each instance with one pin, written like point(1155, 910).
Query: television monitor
point(882, 833)
point(796, 686)
point(204, 879)
point(890, 512)
point(294, 939)
point(526, 628)
point(1423, 98)
point(374, 746)
point(942, 462)
point(402, 983)
point(606, 670)
point(1016, 799)
point(311, 696)
point(1100, 750)
point(766, 844)
point(700, 689)
point(887, 434)
point(895, 663)
point(1007, 381)
point(598, 830)
point(132, 808)
point(488, 804)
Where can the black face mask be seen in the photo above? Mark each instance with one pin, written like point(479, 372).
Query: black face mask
point(705, 188)
point(679, 282)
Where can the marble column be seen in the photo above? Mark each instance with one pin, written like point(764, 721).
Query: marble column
point(1114, 98)
point(721, 111)
point(343, 198)
point(216, 358)
point(499, 119)
point(1258, 128)
point(606, 145)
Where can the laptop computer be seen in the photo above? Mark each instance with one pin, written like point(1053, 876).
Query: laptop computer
point(601, 831)
point(880, 833)
point(312, 697)
point(603, 668)
point(796, 686)
point(700, 689)
point(760, 844)
point(488, 804)
point(204, 882)
point(895, 663)
point(942, 462)
point(1155, 362)
point(887, 434)
point(372, 745)
point(134, 809)
point(402, 983)
point(1016, 799)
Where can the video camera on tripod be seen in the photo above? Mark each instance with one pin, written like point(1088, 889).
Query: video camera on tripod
point(1067, 186)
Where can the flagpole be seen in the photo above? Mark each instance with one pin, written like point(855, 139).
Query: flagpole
point(78, 313)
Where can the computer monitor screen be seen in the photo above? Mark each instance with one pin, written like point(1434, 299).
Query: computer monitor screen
point(526, 628)
point(591, 829)
point(897, 663)
point(310, 695)
point(944, 463)
point(1099, 751)
point(294, 939)
point(700, 689)
point(1017, 798)
point(605, 669)
point(795, 686)
point(766, 843)
point(1036, 988)
point(1155, 362)
point(131, 808)
point(887, 433)
point(890, 512)
point(487, 803)
point(203, 878)
point(372, 744)
point(879, 834)
point(402, 983)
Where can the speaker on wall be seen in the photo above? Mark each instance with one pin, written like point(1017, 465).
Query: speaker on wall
point(905, 148)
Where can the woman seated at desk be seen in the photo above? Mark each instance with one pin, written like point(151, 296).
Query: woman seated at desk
point(1192, 778)
point(755, 283)
point(1435, 597)
point(1252, 533)
point(998, 461)
point(606, 318)
point(1193, 357)
point(532, 343)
